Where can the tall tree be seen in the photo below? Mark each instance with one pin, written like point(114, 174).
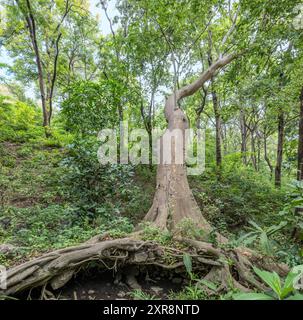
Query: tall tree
point(35, 33)
point(216, 103)
point(300, 140)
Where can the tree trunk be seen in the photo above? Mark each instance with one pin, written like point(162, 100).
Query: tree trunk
point(201, 107)
point(266, 158)
point(296, 233)
point(173, 200)
point(278, 168)
point(300, 141)
point(31, 24)
point(224, 138)
point(218, 125)
point(46, 91)
point(148, 123)
point(215, 104)
point(253, 150)
point(258, 152)
point(243, 135)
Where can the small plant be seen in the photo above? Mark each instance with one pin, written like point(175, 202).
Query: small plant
point(155, 234)
point(141, 295)
point(287, 291)
point(261, 235)
point(292, 211)
point(196, 288)
point(191, 292)
point(186, 227)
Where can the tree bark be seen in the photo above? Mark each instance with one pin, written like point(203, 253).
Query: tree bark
point(278, 168)
point(253, 149)
point(300, 140)
point(243, 128)
point(201, 107)
point(31, 24)
point(147, 120)
point(47, 86)
point(218, 125)
point(266, 158)
point(215, 105)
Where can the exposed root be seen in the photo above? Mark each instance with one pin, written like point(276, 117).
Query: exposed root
point(236, 265)
point(228, 267)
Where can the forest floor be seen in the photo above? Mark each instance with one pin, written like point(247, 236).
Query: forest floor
point(106, 285)
point(96, 284)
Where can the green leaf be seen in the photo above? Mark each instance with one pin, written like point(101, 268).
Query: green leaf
point(288, 284)
point(255, 225)
point(297, 296)
point(248, 238)
point(272, 279)
point(265, 243)
point(252, 296)
point(208, 284)
point(297, 202)
point(273, 229)
point(188, 263)
point(298, 271)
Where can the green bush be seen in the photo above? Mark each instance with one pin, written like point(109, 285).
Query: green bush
point(236, 195)
point(98, 190)
point(19, 122)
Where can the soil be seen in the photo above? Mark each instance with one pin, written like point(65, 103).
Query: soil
point(106, 285)
point(96, 284)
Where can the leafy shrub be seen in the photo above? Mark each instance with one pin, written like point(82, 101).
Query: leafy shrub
point(89, 106)
point(287, 291)
point(153, 233)
point(106, 190)
point(261, 236)
point(19, 122)
point(240, 194)
point(292, 210)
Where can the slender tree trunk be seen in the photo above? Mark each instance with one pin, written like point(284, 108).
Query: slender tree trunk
point(278, 168)
point(148, 124)
point(300, 141)
point(266, 158)
point(223, 137)
point(296, 234)
point(243, 135)
point(218, 126)
point(46, 90)
point(121, 157)
point(201, 107)
point(258, 152)
point(253, 149)
point(215, 103)
point(31, 24)
point(54, 77)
